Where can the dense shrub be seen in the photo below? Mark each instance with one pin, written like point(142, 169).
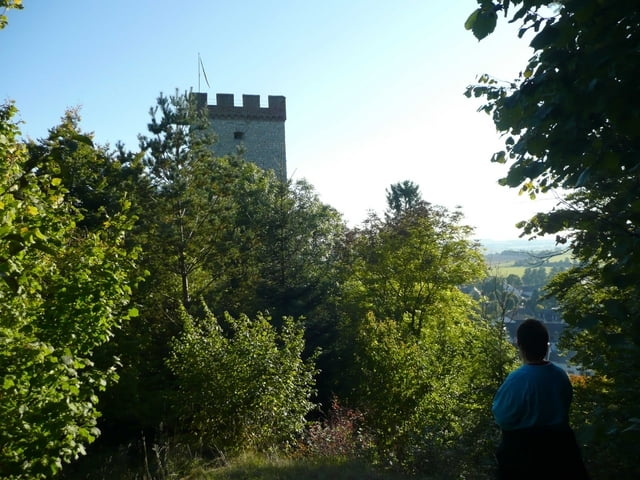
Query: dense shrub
point(241, 386)
point(426, 397)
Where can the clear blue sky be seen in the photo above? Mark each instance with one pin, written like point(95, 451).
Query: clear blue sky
point(374, 89)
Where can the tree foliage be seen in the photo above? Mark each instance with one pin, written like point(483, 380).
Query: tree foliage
point(412, 263)
point(426, 395)
point(571, 122)
point(242, 384)
point(217, 231)
point(298, 238)
point(7, 5)
point(186, 198)
point(410, 333)
point(98, 181)
point(64, 291)
point(185, 209)
point(403, 196)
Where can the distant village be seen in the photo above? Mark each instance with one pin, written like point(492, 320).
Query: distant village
point(514, 291)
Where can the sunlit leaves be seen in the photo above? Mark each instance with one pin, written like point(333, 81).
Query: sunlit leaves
point(423, 392)
point(410, 262)
point(7, 5)
point(63, 294)
point(244, 385)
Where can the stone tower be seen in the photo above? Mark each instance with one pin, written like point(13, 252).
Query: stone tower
point(258, 130)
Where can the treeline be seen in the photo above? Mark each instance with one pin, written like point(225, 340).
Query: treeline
point(170, 296)
point(173, 295)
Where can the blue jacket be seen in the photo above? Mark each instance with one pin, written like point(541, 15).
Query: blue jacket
point(533, 396)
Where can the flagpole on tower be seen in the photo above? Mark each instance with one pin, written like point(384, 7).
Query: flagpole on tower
point(201, 67)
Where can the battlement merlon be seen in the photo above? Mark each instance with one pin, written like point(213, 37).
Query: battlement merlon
point(225, 108)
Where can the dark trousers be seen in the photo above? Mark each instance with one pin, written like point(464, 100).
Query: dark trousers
point(540, 454)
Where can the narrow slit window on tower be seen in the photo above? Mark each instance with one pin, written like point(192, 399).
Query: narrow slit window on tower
point(238, 135)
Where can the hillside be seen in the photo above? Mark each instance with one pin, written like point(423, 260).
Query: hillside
point(521, 244)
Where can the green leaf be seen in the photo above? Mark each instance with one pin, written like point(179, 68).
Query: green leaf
point(468, 25)
point(39, 234)
point(7, 383)
point(499, 157)
point(484, 23)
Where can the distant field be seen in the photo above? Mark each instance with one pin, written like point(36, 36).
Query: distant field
point(506, 270)
point(515, 262)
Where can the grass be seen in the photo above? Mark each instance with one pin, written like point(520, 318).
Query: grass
point(252, 467)
point(256, 467)
point(506, 265)
point(178, 465)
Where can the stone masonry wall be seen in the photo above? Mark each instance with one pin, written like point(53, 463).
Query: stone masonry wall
point(258, 130)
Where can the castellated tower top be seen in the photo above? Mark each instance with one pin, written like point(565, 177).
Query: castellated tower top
point(250, 109)
point(256, 131)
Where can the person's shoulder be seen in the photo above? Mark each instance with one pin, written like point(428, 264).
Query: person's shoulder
point(557, 368)
point(555, 373)
point(529, 370)
point(519, 372)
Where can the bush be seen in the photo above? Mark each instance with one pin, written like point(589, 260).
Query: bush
point(426, 397)
point(242, 387)
point(339, 435)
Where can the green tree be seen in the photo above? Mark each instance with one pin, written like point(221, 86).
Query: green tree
point(185, 212)
point(244, 385)
point(535, 277)
point(64, 292)
point(498, 298)
point(300, 269)
point(514, 280)
point(409, 335)
point(225, 231)
point(413, 263)
point(98, 181)
point(403, 196)
point(296, 238)
point(571, 122)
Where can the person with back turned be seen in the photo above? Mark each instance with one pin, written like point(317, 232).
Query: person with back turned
point(531, 408)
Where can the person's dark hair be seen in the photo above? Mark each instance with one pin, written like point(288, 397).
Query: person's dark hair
point(533, 338)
